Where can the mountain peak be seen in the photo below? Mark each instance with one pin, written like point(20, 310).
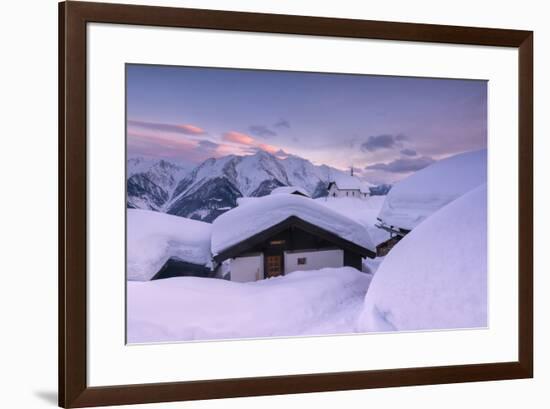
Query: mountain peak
point(262, 154)
point(213, 186)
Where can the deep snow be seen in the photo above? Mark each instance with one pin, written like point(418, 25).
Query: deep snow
point(436, 276)
point(364, 211)
point(416, 197)
point(325, 301)
point(254, 216)
point(153, 238)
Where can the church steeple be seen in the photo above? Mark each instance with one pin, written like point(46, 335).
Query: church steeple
point(351, 170)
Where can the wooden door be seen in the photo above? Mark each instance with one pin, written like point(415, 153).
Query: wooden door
point(274, 265)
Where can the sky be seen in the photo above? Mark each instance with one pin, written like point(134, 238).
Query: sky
point(385, 127)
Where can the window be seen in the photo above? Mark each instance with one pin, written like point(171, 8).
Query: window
point(302, 261)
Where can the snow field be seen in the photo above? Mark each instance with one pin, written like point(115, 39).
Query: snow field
point(435, 277)
point(362, 211)
point(318, 302)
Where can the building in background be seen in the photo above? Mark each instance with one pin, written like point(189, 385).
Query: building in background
point(348, 186)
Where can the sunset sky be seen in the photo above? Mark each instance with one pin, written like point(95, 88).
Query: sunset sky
point(386, 127)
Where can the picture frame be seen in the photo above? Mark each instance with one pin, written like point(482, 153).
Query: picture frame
point(74, 390)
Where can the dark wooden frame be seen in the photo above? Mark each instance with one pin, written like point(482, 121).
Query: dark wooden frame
point(73, 388)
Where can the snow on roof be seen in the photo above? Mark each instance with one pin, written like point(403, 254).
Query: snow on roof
point(362, 211)
point(415, 198)
point(348, 182)
point(289, 190)
point(433, 279)
point(262, 213)
point(154, 238)
point(241, 201)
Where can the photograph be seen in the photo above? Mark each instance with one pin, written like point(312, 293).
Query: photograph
point(265, 204)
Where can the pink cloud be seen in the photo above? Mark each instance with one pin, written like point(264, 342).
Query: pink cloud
point(247, 140)
point(186, 129)
point(160, 140)
point(192, 129)
point(238, 137)
point(268, 148)
point(166, 147)
point(168, 144)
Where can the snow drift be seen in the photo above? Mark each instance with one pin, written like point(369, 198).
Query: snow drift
point(436, 277)
point(413, 199)
point(362, 211)
point(324, 301)
point(153, 238)
point(261, 213)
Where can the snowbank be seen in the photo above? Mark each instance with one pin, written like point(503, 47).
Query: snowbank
point(261, 213)
point(155, 237)
point(362, 211)
point(413, 199)
point(325, 301)
point(436, 277)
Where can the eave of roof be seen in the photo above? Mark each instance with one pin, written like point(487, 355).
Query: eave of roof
point(292, 221)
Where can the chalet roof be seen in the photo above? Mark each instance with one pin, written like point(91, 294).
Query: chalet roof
point(290, 190)
point(244, 222)
point(155, 237)
point(348, 182)
point(413, 199)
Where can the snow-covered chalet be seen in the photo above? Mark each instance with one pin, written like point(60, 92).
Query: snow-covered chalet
point(417, 197)
point(281, 233)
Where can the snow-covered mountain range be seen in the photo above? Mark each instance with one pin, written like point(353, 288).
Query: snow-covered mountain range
point(150, 182)
point(211, 188)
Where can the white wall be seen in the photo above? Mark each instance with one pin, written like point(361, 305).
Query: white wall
point(334, 192)
point(314, 260)
point(249, 268)
point(28, 297)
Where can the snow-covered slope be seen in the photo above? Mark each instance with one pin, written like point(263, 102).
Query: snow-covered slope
point(316, 302)
point(413, 199)
point(215, 185)
point(154, 237)
point(436, 276)
point(138, 164)
point(151, 182)
point(261, 213)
